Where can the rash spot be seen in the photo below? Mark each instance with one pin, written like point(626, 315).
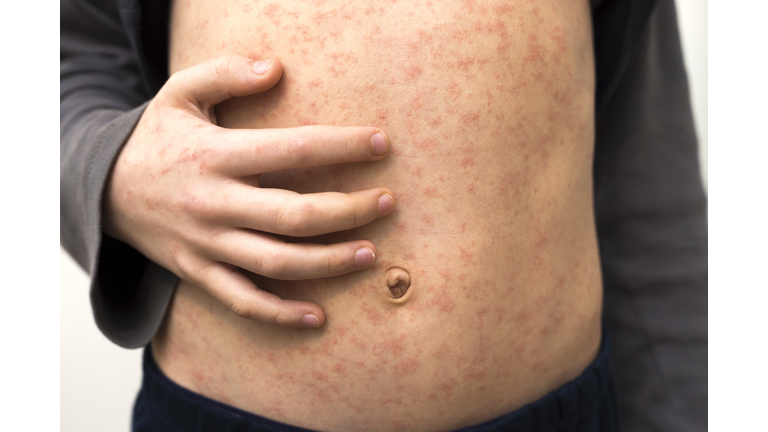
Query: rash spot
point(467, 162)
point(471, 118)
point(428, 143)
point(372, 314)
point(418, 172)
point(398, 281)
point(431, 192)
point(413, 72)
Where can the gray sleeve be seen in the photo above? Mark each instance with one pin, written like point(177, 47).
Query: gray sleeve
point(102, 97)
point(651, 215)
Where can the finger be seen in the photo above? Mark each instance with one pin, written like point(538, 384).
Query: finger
point(237, 292)
point(289, 213)
point(268, 256)
point(216, 80)
point(267, 150)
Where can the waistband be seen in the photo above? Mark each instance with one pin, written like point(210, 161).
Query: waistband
point(584, 404)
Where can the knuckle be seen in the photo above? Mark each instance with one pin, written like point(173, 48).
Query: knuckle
point(181, 82)
point(241, 306)
point(223, 65)
point(198, 207)
point(188, 268)
point(349, 215)
point(354, 216)
point(204, 240)
point(176, 79)
point(174, 90)
point(351, 146)
point(296, 147)
point(272, 264)
point(278, 316)
point(296, 219)
point(337, 265)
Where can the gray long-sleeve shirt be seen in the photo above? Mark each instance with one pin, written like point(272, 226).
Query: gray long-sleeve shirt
point(649, 202)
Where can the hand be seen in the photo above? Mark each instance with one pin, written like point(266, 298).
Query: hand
point(186, 194)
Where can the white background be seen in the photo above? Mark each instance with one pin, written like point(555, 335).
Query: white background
point(99, 380)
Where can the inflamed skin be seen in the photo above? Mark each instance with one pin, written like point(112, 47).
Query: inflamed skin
point(486, 291)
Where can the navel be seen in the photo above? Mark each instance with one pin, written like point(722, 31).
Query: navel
point(398, 282)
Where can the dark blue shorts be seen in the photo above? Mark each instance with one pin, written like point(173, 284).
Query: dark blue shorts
point(583, 405)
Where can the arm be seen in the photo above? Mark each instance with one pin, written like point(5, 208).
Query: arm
point(651, 216)
point(101, 102)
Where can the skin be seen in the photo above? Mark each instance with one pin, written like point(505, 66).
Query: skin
point(186, 199)
point(487, 107)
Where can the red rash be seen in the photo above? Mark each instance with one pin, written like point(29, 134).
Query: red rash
point(431, 192)
point(469, 132)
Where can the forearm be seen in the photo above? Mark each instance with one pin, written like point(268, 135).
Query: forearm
point(101, 102)
point(99, 85)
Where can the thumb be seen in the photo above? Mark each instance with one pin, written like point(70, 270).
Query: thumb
point(216, 80)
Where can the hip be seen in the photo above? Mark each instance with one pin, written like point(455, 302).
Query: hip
point(584, 404)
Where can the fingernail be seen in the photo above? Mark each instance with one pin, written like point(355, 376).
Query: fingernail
point(386, 205)
point(310, 320)
point(261, 66)
point(380, 144)
point(364, 257)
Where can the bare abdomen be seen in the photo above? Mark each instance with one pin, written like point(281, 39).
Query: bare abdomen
point(488, 106)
